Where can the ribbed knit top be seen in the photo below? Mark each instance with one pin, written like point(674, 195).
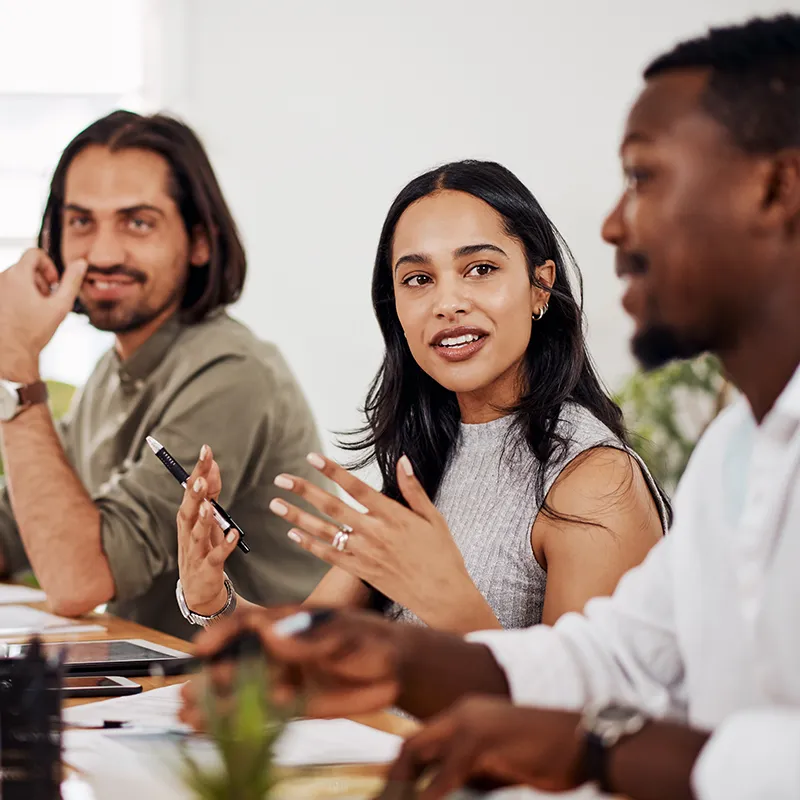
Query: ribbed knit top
point(487, 496)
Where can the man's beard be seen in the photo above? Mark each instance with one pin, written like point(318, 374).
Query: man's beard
point(657, 345)
point(111, 316)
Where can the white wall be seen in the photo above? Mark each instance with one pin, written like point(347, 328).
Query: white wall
point(316, 113)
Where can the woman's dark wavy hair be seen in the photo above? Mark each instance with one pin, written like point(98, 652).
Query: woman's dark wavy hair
point(194, 188)
point(407, 412)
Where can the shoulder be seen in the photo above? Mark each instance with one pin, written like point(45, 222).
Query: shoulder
point(221, 344)
point(596, 481)
point(582, 428)
point(596, 475)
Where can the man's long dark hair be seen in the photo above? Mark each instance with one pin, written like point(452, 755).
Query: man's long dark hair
point(194, 188)
point(409, 413)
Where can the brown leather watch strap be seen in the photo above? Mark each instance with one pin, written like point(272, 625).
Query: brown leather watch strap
point(32, 394)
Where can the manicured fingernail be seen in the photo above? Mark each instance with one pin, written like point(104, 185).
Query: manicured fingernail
point(203, 511)
point(294, 536)
point(203, 452)
point(198, 486)
point(230, 538)
point(405, 465)
point(284, 482)
point(279, 507)
point(315, 460)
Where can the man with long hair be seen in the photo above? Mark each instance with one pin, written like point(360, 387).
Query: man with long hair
point(137, 236)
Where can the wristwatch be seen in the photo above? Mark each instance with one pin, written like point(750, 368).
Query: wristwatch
point(603, 727)
point(199, 619)
point(15, 398)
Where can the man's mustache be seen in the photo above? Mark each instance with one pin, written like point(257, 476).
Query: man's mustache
point(630, 264)
point(112, 272)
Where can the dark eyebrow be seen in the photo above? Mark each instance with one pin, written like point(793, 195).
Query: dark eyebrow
point(635, 137)
point(472, 249)
point(412, 258)
point(466, 250)
point(129, 212)
point(125, 212)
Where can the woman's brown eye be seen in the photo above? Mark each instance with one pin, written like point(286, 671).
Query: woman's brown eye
point(483, 269)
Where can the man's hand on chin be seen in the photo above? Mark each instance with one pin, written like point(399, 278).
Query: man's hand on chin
point(34, 299)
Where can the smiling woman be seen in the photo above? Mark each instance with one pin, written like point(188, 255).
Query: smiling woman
point(510, 495)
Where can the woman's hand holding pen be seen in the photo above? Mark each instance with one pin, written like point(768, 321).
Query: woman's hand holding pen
point(202, 545)
point(406, 553)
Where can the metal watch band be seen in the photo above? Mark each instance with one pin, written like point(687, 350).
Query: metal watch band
point(199, 619)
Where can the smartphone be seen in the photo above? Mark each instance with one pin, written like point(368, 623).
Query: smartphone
point(98, 686)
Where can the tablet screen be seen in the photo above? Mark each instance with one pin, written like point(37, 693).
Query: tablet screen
point(111, 652)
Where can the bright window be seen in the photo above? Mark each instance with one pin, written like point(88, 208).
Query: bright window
point(62, 65)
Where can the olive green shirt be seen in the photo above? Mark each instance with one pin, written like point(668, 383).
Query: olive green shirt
point(212, 382)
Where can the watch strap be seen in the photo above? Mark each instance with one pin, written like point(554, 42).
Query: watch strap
point(31, 394)
point(595, 760)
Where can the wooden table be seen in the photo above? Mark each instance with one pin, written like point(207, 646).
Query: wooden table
point(319, 782)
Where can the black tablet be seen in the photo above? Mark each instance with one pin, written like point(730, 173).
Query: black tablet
point(116, 656)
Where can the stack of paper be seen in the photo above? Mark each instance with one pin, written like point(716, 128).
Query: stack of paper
point(143, 759)
point(148, 711)
point(305, 742)
point(15, 593)
point(16, 621)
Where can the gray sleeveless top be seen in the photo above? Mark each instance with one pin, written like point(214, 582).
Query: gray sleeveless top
point(487, 497)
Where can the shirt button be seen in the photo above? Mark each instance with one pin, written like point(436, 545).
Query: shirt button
point(139, 385)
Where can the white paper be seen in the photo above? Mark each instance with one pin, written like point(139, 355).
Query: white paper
point(156, 709)
point(305, 742)
point(131, 764)
point(16, 621)
point(15, 593)
point(310, 742)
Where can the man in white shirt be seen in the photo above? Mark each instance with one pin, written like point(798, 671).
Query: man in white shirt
point(687, 681)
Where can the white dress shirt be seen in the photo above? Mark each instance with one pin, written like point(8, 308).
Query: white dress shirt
point(707, 629)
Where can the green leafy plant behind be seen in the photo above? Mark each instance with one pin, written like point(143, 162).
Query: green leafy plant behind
point(243, 727)
point(60, 398)
point(667, 410)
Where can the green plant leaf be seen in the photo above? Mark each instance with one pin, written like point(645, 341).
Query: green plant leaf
point(243, 726)
point(667, 410)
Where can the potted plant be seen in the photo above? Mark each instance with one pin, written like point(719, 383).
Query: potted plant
point(668, 409)
point(243, 727)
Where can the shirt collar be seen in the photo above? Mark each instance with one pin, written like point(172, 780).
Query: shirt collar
point(788, 402)
point(150, 354)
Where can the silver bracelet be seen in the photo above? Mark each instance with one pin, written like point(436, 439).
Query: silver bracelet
point(199, 619)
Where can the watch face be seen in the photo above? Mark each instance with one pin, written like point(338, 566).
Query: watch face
point(9, 402)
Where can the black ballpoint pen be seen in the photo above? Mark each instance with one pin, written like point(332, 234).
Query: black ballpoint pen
point(223, 518)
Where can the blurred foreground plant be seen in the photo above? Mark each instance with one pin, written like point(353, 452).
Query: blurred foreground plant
point(243, 726)
point(667, 410)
